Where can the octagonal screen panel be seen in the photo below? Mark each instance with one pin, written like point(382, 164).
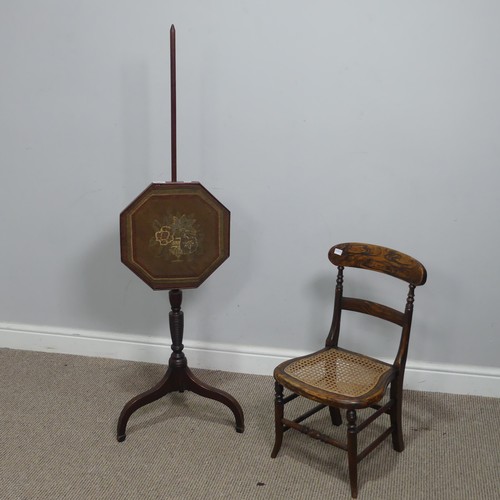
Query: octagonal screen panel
point(174, 235)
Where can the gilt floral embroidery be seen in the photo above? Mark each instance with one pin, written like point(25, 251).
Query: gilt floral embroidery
point(175, 237)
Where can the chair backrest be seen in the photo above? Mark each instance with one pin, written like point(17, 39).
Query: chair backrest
point(383, 260)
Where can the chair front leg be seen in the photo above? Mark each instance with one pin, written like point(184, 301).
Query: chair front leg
point(278, 416)
point(352, 451)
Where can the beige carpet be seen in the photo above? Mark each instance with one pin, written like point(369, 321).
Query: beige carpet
point(57, 440)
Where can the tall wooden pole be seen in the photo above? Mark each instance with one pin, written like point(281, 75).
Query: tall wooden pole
point(173, 105)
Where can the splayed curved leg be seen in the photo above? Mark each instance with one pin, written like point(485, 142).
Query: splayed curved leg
point(167, 384)
point(194, 384)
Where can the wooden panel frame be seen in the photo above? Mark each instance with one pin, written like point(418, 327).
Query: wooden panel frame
point(174, 235)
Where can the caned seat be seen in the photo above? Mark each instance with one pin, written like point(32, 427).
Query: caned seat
point(340, 379)
point(338, 372)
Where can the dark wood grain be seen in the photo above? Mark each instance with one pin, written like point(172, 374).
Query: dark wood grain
point(378, 258)
point(373, 309)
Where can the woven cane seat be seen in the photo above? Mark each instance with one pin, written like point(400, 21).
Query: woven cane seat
point(338, 371)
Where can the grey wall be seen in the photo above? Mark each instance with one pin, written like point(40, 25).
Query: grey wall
point(314, 122)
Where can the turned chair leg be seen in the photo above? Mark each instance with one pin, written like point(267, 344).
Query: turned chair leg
point(278, 416)
point(352, 451)
point(396, 416)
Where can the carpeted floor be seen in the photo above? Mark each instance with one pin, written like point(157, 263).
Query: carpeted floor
point(58, 424)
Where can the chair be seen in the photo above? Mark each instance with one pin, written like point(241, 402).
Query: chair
point(341, 379)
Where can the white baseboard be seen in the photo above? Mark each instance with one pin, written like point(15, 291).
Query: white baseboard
point(454, 379)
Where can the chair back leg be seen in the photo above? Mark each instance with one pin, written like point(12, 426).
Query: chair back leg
point(335, 415)
point(396, 415)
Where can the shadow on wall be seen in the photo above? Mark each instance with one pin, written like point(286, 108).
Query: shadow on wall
point(217, 311)
point(321, 290)
point(115, 297)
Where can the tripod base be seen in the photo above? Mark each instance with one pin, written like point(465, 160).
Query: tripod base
point(178, 376)
point(178, 379)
